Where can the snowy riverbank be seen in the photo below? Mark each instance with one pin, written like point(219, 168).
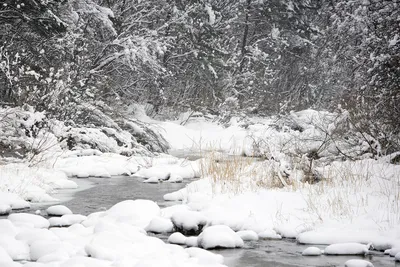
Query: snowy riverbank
point(236, 199)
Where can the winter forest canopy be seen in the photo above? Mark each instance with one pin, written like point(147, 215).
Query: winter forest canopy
point(74, 59)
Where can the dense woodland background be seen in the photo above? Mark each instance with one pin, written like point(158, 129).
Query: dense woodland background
point(265, 57)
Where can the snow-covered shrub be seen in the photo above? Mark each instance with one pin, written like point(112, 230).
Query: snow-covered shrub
point(25, 133)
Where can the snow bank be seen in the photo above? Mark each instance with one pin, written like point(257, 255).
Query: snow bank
point(103, 165)
point(219, 236)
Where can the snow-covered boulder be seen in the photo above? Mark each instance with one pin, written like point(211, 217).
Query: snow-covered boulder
point(219, 236)
point(192, 241)
point(152, 180)
point(58, 210)
point(29, 219)
point(394, 251)
point(189, 222)
point(177, 238)
point(4, 257)
point(66, 220)
point(137, 212)
point(397, 256)
point(7, 228)
point(205, 257)
point(30, 235)
point(358, 263)
point(18, 250)
point(175, 178)
point(312, 251)
point(347, 249)
point(269, 234)
point(248, 235)
point(5, 209)
point(160, 225)
point(13, 200)
point(41, 248)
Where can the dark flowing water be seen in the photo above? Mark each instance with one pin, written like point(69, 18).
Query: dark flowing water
point(101, 194)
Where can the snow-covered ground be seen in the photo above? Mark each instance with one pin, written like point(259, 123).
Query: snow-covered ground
point(354, 206)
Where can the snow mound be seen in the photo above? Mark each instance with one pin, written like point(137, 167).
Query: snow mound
point(248, 235)
point(188, 222)
point(7, 228)
point(66, 220)
point(204, 256)
point(5, 209)
point(4, 257)
point(175, 178)
point(13, 201)
point(177, 238)
point(192, 241)
point(393, 252)
point(30, 235)
point(397, 256)
point(29, 219)
point(358, 263)
point(137, 212)
point(152, 180)
point(160, 225)
point(41, 248)
point(346, 249)
point(58, 210)
point(16, 249)
point(312, 251)
point(219, 236)
point(269, 234)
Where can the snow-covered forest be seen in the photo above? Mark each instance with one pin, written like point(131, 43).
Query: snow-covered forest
point(244, 124)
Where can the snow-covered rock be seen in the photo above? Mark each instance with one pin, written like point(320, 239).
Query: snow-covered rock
point(394, 251)
point(16, 249)
point(5, 209)
point(7, 228)
point(346, 249)
point(160, 225)
point(177, 238)
point(397, 256)
point(4, 256)
point(175, 178)
point(58, 210)
point(312, 251)
point(205, 257)
point(152, 180)
point(41, 248)
point(192, 241)
point(137, 212)
point(248, 235)
point(189, 222)
point(12, 200)
point(30, 235)
point(66, 220)
point(29, 219)
point(269, 234)
point(358, 263)
point(219, 236)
